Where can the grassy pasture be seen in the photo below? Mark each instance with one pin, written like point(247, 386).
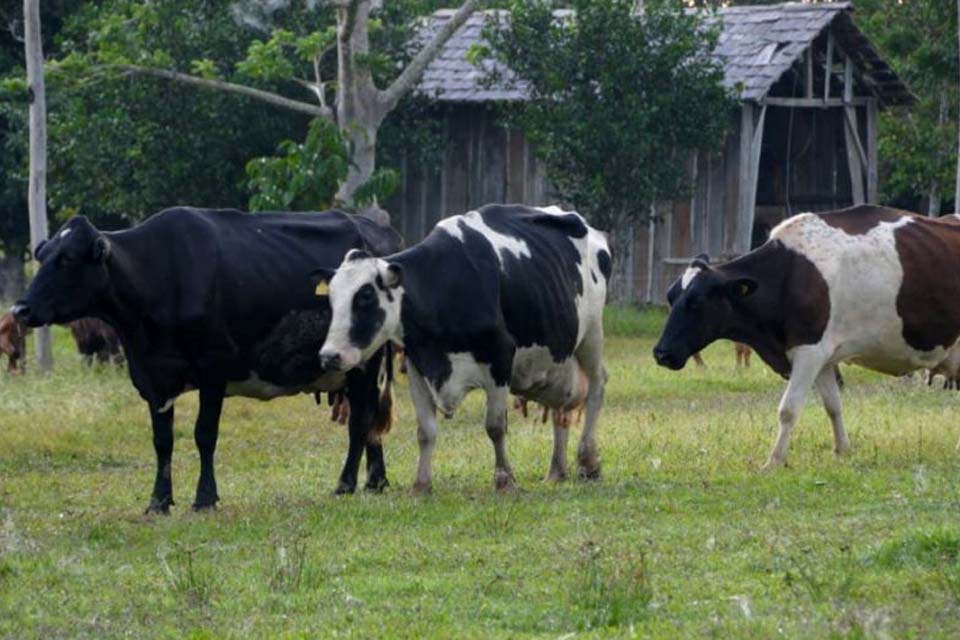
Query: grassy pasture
point(681, 537)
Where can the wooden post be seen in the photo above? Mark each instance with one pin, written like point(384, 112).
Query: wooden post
point(828, 66)
point(956, 192)
point(851, 136)
point(755, 171)
point(743, 180)
point(751, 139)
point(873, 181)
point(37, 194)
point(808, 75)
point(693, 199)
point(651, 248)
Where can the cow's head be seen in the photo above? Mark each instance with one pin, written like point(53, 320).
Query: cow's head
point(72, 276)
point(704, 306)
point(365, 297)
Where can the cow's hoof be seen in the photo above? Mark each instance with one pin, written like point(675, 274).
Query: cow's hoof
point(376, 485)
point(204, 503)
point(556, 475)
point(159, 506)
point(344, 489)
point(591, 474)
point(772, 465)
point(503, 480)
point(422, 488)
point(842, 449)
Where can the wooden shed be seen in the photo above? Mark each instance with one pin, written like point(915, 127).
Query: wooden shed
point(804, 139)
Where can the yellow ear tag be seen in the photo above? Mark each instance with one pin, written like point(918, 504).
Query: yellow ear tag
point(744, 289)
point(323, 288)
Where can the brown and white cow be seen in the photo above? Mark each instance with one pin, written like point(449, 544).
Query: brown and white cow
point(868, 285)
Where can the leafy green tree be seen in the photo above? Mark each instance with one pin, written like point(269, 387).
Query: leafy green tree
point(331, 66)
point(617, 102)
point(306, 176)
point(918, 146)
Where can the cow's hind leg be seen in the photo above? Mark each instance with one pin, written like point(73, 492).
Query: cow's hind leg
point(830, 394)
point(205, 435)
point(807, 365)
point(162, 497)
point(496, 425)
point(590, 356)
point(426, 429)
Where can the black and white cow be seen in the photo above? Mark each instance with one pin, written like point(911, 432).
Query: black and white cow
point(868, 285)
point(220, 301)
point(506, 298)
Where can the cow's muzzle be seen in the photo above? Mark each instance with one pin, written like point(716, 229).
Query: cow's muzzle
point(21, 312)
point(331, 361)
point(668, 359)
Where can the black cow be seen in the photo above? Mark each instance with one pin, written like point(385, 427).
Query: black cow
point(505, 299)
point(219, 301)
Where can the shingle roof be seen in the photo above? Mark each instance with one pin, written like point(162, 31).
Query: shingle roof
point(757, 45)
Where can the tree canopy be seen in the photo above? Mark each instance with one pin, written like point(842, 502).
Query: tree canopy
point(617, 102)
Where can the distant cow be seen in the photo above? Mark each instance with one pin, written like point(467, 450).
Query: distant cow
point(868, 285)
point(219, 301)
point(13, 343)
point(505, 298)
point(96, 339)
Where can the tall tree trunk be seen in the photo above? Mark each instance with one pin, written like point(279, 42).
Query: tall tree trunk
point(935, 195)
point(358, 115)
point(37, 196)
point(361, 107)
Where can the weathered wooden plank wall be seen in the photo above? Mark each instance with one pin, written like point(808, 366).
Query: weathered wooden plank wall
point(485, 163)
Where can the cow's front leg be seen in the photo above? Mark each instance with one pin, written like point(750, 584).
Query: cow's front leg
point(558, 462)
point(426, 429)
point(496, 424)
point(830, 393)
point(205, 435)
point(162, 497)
point(807, 365)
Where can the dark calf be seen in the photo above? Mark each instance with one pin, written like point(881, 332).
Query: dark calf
point(96, 339)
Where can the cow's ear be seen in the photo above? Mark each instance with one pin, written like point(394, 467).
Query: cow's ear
point(101, 249)
point(320, 278)
point(741, 287)
point(38, 249)
point(393, 275)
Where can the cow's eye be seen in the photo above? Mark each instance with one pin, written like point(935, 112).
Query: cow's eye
point(366, 297)
point(66, 261)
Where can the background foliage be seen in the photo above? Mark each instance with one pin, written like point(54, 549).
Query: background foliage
point(616, 103)
point(123, 146)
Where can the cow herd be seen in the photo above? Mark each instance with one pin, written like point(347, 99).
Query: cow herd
point(508, 299)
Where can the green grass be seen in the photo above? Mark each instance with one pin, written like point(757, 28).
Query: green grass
point(681, 537)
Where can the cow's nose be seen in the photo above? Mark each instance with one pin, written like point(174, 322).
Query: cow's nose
point(665, 358)
point(20, 311)
point(330, 360)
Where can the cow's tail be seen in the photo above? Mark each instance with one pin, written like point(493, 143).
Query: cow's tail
point(384, 418)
